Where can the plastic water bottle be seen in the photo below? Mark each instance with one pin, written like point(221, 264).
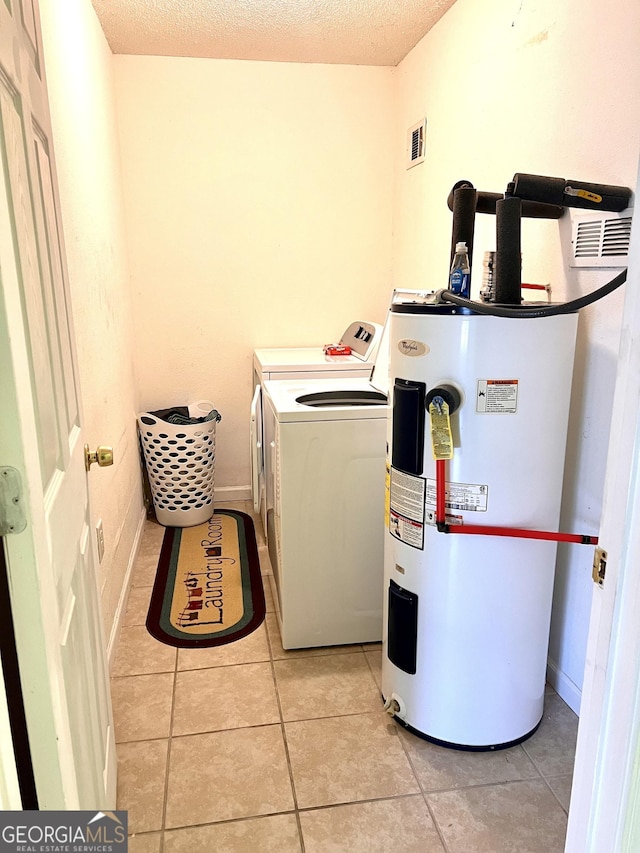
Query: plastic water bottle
point(460, 276)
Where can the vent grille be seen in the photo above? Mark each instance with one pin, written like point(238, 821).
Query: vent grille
point(415, 144)
point(616, 237)
point(601, 240)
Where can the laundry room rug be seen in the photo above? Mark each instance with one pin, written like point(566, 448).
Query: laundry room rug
point(208, 587)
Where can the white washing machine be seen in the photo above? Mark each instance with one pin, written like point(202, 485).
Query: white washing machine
point(325, 498)
point(362, 337)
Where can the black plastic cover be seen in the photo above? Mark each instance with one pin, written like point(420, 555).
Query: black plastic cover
point(402, 630)
point(409, 415)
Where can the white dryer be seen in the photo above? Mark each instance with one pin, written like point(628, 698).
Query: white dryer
point(362, 337)
point(325, 499)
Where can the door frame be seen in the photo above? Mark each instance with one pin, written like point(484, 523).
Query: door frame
point(609, 727)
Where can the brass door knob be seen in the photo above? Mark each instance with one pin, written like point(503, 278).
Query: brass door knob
point(103, 456)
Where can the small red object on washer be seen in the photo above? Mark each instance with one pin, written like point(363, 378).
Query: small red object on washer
point(336, 349)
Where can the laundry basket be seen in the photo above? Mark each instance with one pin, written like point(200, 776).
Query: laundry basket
point(180, 462)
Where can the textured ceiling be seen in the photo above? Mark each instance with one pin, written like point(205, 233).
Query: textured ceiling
point(351, 32)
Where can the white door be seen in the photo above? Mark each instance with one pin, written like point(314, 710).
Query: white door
point(606, 766)
point(50, 564)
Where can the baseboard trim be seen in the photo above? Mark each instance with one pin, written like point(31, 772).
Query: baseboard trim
point(566, 689)
point(232, 493)
point(121, 609)
point(110, 772)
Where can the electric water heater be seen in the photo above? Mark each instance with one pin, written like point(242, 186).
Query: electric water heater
point(466, 620)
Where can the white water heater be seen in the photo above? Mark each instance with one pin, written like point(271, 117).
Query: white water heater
point(466, 619)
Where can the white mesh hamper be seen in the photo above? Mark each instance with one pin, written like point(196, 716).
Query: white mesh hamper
point(180, 461)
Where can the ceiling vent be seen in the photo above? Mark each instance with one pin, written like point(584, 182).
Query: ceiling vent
point(415, 143)
point(601, 239)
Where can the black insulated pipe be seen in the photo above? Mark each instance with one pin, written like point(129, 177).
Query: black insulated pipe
point(464, 219)
point(486, 203)
point(508, 261)
point(570, 193)
point(539, 188)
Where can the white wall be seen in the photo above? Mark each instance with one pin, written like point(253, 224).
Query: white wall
point(547, 88)
point(258, 201)
point(79, 76)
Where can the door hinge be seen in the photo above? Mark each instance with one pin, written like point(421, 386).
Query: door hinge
point(12, 515)
point(599, 566)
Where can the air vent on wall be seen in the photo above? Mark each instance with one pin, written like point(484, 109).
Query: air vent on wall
point(415, 143)
point(601, 239)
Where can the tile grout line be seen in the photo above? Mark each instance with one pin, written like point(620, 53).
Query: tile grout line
point(479, 785)
point(167, 766)
point(434, 821)
point(413, 770)
point(299, 654)
point(166, 780)
point(284, 740)
point(562, 806)
point(168, 737)
point(303, 810)
point(338, 805)
point(230, 821)
point(141, 675)
point(536, 764)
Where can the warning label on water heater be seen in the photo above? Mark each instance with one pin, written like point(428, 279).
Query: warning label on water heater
point(406, 508)
point(497, 396)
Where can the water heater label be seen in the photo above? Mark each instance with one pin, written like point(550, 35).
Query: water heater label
point(497, 396)
point(406, 510)
point(466, 497)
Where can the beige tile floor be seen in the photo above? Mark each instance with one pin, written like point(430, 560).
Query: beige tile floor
point(248, 748)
